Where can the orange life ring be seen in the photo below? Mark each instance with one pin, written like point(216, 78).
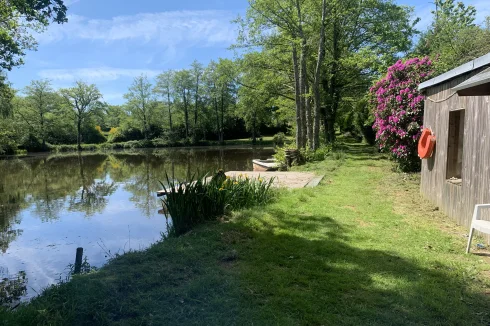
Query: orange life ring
point(426, 143)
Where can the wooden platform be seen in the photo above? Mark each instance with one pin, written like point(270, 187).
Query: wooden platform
point(291, 180)
point(283, 179)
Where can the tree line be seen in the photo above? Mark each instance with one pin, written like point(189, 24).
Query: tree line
point(305, 66)
point(195, 104)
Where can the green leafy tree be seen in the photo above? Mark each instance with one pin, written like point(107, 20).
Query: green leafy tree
point(83, 99)
point(197, 72)
point(17, 19)
point(39, 104)
point(141, 103)
point(453, 38)
point(182, 82)
point(164, 88)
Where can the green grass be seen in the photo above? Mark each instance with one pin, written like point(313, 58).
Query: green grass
point(361, 249)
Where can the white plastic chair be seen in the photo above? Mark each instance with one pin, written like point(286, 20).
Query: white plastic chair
point(478, 224)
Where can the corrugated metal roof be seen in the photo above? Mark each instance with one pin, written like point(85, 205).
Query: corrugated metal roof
point(479, 79)
point(467, 67)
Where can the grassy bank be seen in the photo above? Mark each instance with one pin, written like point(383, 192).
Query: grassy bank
point(361, 249)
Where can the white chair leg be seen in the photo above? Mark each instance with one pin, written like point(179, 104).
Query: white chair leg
point(469, 240)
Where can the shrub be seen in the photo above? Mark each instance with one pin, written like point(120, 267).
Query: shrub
point(198, 200)
point(93, 135)
point(309, 155)
point(8, 144)
point(31, 143)
point(126, 133)
point(279, 139)
point(399, 110)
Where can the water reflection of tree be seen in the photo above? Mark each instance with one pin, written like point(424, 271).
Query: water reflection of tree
point(142, 184)
point(10, 205)
point(84, 182)
point(92, 196)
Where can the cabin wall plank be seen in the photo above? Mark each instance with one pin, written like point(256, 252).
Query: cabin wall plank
point(458, 201)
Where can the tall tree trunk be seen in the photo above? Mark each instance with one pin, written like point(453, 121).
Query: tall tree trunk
point(309, 115)
point(316, 82)
point(334, 94)
point(43, 133)
point(169, 110)
point(79, 133)
point(254, 126)
point(186, 113)
point(297, 93)
point(217, 117)
point(303, 79)
point(222, 131)
point(145, 125)
point(196, 106)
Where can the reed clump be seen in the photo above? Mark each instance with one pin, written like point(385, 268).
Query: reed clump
point(206, 198)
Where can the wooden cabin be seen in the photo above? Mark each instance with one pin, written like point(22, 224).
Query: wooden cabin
point(457, 109)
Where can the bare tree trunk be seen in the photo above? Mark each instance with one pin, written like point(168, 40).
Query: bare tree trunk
point(186, 113)
point(316, 82)
point(222, 131)
point(169, 110)
point(254, 126)
point(303, 77)
point(297, 90)
point(79, 133)
point(309, 115)
point(331, 111)
point(217, 113)
point(196, 105)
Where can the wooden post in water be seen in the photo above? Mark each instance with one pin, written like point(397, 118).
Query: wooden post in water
point(78, 261)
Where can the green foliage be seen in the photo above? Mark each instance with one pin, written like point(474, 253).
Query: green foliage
point(93, 135)
point(279, 139)
point(141, 103)
point(453, 38)
point(8, 143)
point(205, 199)
point(6, 96)
point(19, 18)
point(309, 155)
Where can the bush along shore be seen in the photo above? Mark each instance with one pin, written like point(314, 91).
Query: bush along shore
point(362, 248)
point(143, 144)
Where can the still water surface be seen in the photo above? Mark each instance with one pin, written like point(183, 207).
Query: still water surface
point(105, 203)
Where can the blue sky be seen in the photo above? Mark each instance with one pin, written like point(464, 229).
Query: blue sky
point(109, 42)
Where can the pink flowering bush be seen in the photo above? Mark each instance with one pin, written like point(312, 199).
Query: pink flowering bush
point(399, 110)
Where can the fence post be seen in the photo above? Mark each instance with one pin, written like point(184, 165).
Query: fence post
point(78, 261)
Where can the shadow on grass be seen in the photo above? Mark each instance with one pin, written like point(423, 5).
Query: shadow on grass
point(297, 280)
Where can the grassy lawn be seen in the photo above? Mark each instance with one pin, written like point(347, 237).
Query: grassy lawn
point(361, 249)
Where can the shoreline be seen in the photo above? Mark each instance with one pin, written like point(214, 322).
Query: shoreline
point(127, 146)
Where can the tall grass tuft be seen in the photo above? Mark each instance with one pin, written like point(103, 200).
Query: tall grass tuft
point(207, 198)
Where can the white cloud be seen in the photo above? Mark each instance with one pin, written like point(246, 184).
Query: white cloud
point(170, 28)
point(93, 75)
point(70, 2)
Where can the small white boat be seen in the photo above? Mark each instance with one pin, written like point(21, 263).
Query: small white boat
point(266, 165)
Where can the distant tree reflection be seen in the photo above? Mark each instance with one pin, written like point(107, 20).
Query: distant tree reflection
point(92, 197)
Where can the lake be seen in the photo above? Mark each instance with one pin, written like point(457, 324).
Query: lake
point(103, 202)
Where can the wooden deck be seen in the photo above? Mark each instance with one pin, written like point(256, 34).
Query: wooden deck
point(291, 180)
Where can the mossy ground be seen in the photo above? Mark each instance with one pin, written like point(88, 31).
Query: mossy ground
point(363, 248)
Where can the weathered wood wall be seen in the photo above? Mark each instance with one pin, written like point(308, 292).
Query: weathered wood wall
point(458, 201)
